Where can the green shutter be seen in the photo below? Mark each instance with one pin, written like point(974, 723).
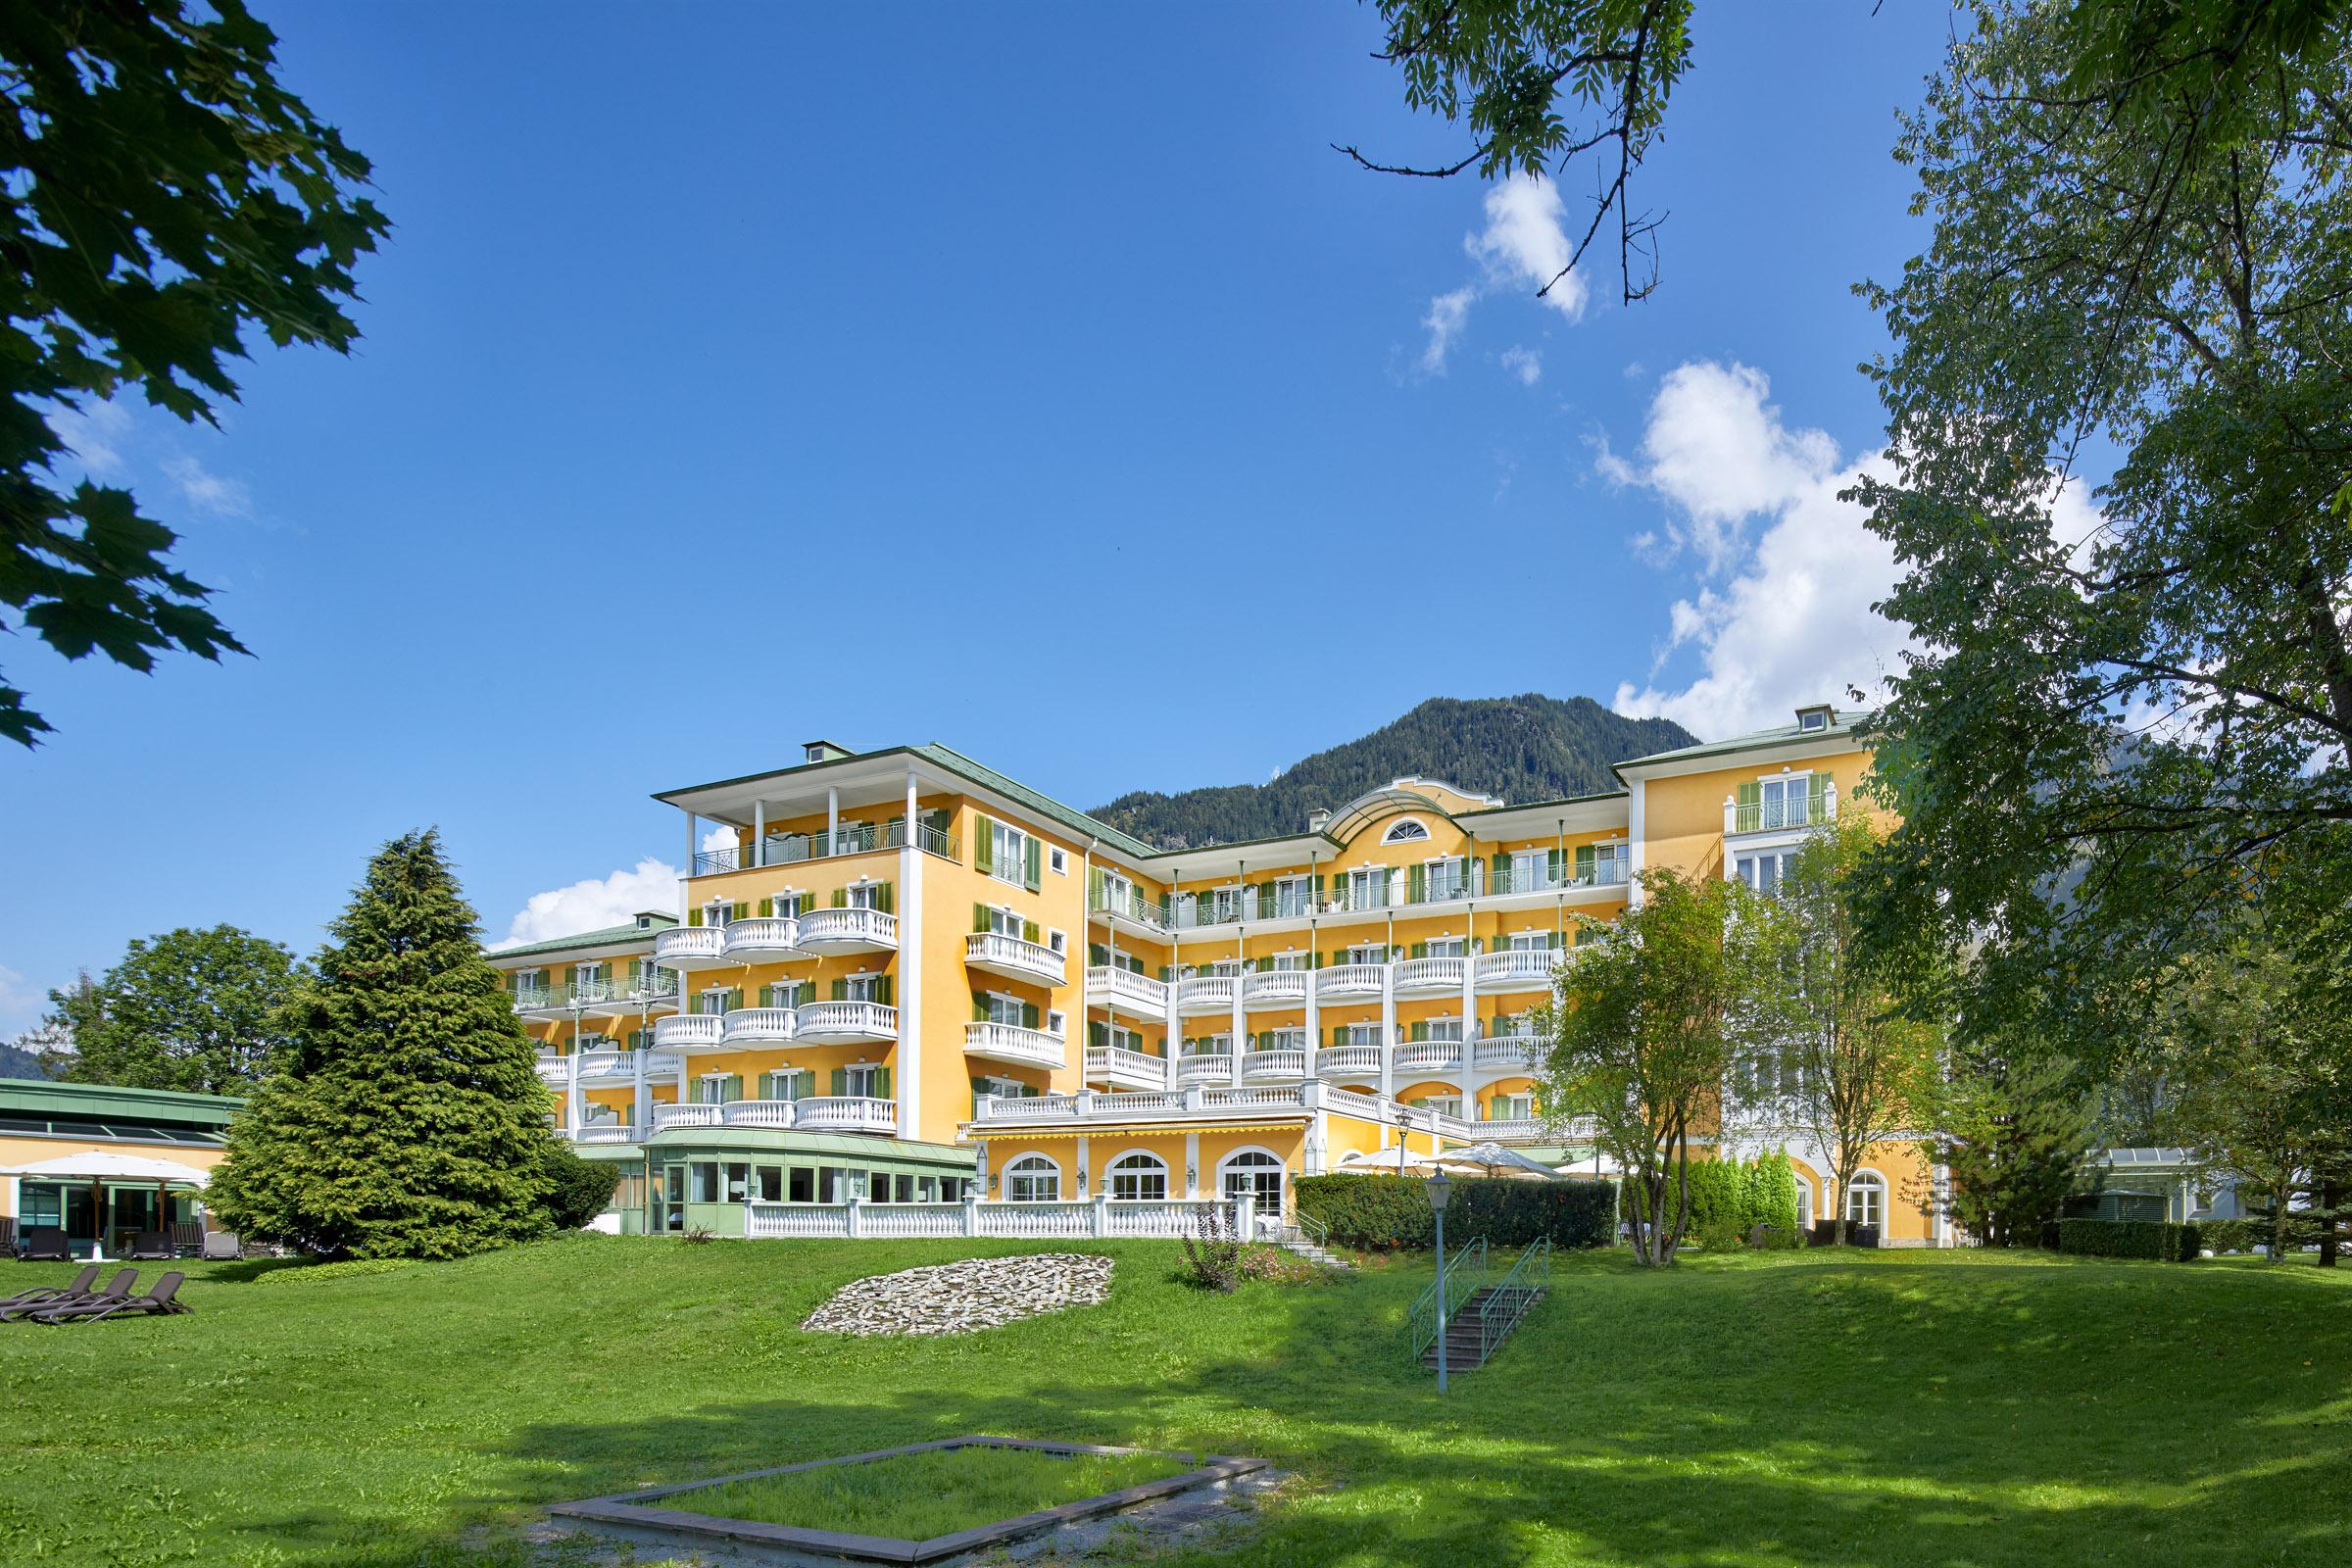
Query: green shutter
point(694, 1090)
point(1418, 1031)
point(1028, 930)
point(979, 1007)
point(841, 1080)
point(1416, 884)
point(841, 897)
point(1583, 862)
point(841, 991)
point(767, 907)
point(1420, 949)
point(984, 845)
point(884, 992)
point(1097, 1034)
point(1094, 887)
point(979, 1088)
point(1750, 793)
point(733, 1089)
point(1037, 865)
point(1817, 793)
point(980, 922)
point(1028, 1015)
point(1096, 954)
point(881, 1083)
point(694, 916)
point(1502, 873)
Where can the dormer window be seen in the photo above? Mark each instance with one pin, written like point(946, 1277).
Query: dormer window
point(1812, 721)
point(1405, 832)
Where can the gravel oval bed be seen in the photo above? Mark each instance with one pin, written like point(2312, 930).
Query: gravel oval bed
point(962, 1298)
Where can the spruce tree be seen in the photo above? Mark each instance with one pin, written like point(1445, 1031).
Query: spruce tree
point(409, 1121)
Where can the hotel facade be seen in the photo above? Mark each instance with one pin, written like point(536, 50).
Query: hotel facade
point(900, 977)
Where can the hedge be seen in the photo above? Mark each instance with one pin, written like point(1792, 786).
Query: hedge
point(1390, 1212)
point(2131, 1238)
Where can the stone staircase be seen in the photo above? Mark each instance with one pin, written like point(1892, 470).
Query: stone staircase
point(1293, 1239)
point(1471, 1339)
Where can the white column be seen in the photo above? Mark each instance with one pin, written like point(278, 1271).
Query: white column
point(1192, 1165)
point(574, 1096)
point(832, 818)
point(759, 833)
point(1174, 1021)
point(1239, 1023)
point(910, 975)
point(1388, 1026)
point(641, 1111)
point(1081, 1169)
point(1635, 848)
point(1470, 1023)
point(688, 872)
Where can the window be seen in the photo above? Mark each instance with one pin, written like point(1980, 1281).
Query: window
point(1405, 832)
point(877, 1187)
point(702, 1182)
point(1229, 905)
point(1058, 940)
point(1363, 1034)
point(1531, 871)
point(1002, 1009)
point(1439, 1029)
point(861, 988)
point(801, 1185)
point(1210, 1046)
point(1866, 1199)
point(1057, 1023)
point(790, 906)
point(1530, 940)
point(1008, 852)
point(1368, 889)
point(1513, 1107)
point(1032, 1178)
point(1293, 898)
point(903, 1188)
point(1252, 1173)
point(1445, 948)
point(1762, 871)
point(1059, 861)
point(1290, 963)
point(1447, 879)
point(786, 1083)
point(1121, 1038)
point(862, 1081)
point(716, 1087)
point(1786, 800)
point(1222, 967)
point(1137, 1178)
point(1444, 1104)
point(868, 894)
point(1117, 892)
point(1811, 719)
point(739, 1182)
point(771, 1184)
point(1294, 1039)
point(1368, 952)
point(926, 1190)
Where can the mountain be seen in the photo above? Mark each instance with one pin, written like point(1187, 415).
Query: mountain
point(1530, 747)
point(18, 1062)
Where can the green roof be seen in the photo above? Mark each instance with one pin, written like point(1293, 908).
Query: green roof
point(38, 1096)
point(610, 936)
point(1778, 735)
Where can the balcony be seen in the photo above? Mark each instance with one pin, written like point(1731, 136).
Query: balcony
point(1345, 980)
point(1361, 1063)
point(1203, 1068)
point(1273, 1066)
point(1796, 812)
point(1509, 1130)
point(687, 947)
point(1017, 958)
point(1425, 976)
point(1122, 1068)
point(849, 931)
point(758, 1026)
point(607, 1067)
point(1108, 985)
point(1519, 969)
point(843, 1023)
point(1133, 913)
point(791, 849)
point(1205, 993)
point(690, 1031)
point(1506, 1052)
point(605, 1132)
point(1014, 1045)
point(831, 1113)
point(762, 938)
point(1427, 1056)
point(1275, 988)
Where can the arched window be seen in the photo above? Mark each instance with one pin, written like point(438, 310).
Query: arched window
point(1138, 1177)
point(1032, 1178)
point(1405, 832)
point(1866, 1199)
point(1255, 1173)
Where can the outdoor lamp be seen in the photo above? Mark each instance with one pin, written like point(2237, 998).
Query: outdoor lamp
point(1440, 1188)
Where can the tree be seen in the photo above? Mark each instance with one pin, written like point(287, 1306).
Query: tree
point(2259, 1076)
point(2012, 1125)
point(407, 1120)
point(1653, 1012)
point(2138, 249)
point(577, 1189)
point(196, 1010)
point(1849, 1052)
point(1511, 62)
point(162, 193)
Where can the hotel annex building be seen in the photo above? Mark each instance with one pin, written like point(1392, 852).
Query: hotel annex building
point(911, 979)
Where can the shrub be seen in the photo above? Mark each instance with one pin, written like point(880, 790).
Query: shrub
point(1279, 1266)
point(1775, 1238)
point(1379, 1212)
point(1215, 1255)
point(2233, 1235)
point(2130, 1238)
point(578, 1190)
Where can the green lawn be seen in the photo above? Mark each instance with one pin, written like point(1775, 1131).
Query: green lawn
point(1907, 1409)
point(917, 1497)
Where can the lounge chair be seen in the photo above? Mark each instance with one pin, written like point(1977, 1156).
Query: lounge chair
point(222, 1243)
point(116, 1289)
point(158, 1299)
point(150, 1245)
point(188, 1237)
point(51, 1293)
point(46, 1244)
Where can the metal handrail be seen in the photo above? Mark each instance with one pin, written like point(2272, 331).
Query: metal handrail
point(1504, 1306)
point(791, 849)
point(1465, 1277)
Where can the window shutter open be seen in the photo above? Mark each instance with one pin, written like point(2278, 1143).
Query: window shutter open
point(1419, 1031)
point(841, 991)
point(1097, 1034)
point(1037, 865)
point(883, 991)
point(881, 1083)
point(1583, 862)
point(841, 1080)
point(1096, 954)
point(984, 845)
point(733, 1087)
point(1094, 887)
point(1029, 931)
point(1817, 793)
point(980, 919)
point(1420, 949)
point(694, 916)
point(1028, 1015)
point(979, 1007)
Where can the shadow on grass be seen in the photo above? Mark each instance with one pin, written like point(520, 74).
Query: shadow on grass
point(1826, 1411)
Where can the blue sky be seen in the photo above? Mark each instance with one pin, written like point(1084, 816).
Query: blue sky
point(737, 376)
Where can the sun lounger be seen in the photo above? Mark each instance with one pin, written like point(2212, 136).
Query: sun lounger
point(152, 1245)
point(46, 1244)
point(222, 1243)
point(40, 1293)
point(116, 1289)
point(158, 1299)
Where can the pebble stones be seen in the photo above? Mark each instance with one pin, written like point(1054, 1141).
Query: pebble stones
point(962, 1298)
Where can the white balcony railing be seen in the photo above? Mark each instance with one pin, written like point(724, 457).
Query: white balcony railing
point(605, 1066)
point(669, 1116)
point(689, 1031)
point(818, 1022)
point(1010, 1043)
point(1107, 983)
point(846, 1113)
point(1204, 1068)
point(847, 930)
point(1517, 968)
point(1205, 993)
point(1431, 974)
point(1505, 1051)
point(1020, 959)
point(1109, 1063)
point(1347, 1062)
point(1273, 1066)
point(1348, 980)
point(761, 936)
point(1427, 1056)
point(753, 1025)
point(605, 1132)
point(855, 1114)
point(1275, 988)
point(690, 947)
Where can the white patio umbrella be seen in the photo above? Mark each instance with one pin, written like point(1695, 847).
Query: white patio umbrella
point(100, 1165)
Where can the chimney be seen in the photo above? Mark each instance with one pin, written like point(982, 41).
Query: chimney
point(824, 751)
point(1317, 818)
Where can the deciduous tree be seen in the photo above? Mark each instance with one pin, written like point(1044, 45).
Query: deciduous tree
point(196, 1010)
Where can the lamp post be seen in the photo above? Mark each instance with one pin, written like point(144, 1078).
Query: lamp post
point(1440, 1188)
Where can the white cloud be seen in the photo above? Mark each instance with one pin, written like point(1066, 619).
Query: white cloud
point(1446, 314)
point(1793, 623)
point(720, 838)
point(1525, 363)
point(207, 490)
point(94, 433)
point(594, 903)
point(1523, 246)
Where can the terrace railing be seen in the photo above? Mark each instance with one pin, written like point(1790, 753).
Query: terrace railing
point(1465, 1277)
point(1102, 1215)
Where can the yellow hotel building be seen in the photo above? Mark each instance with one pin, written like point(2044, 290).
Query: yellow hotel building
point(911, 979)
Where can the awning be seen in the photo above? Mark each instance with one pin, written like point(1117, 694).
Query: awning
point(99, 1165)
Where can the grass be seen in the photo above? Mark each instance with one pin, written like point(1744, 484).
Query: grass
point(1916, 1410)
point(918, 1496)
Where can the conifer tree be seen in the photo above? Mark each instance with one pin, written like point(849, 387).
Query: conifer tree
point(407, 1120)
